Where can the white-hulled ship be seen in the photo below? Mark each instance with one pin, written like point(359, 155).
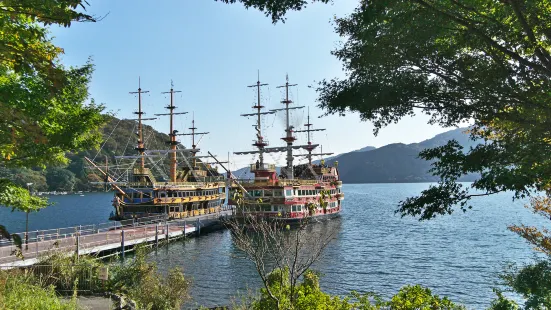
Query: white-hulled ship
point(307, 190)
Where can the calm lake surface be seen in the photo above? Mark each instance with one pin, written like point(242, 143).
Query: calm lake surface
point(374, 250)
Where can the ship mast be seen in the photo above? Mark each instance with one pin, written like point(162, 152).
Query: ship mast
point(194, 150)
point(140, 148)
point(310, 147)
point(260, 143)
point(172, 133)
point(289, 138)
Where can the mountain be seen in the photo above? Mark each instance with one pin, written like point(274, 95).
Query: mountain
point(398, 162)
point(365, 149)
point(393, 163)
point(334, 157)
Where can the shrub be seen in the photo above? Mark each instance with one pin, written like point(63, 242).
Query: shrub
point(141, 281)
point(24, 291)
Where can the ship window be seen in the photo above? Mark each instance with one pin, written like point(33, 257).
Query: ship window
point(293, 208)
point(268, 193)
point(289, 193)
point(162, 194)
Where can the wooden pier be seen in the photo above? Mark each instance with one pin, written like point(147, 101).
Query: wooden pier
point(104, 239)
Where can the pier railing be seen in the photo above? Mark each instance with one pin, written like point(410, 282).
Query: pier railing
point(64, 232)
point(89, 239)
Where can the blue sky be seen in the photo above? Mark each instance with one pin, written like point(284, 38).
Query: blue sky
point(212, 51)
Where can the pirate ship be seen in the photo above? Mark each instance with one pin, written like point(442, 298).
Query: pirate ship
point(297, 192)
point(193, 188)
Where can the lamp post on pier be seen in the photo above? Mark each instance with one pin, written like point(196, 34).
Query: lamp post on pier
point(27, 221)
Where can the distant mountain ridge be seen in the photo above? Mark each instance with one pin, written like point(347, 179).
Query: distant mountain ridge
point(392, 163)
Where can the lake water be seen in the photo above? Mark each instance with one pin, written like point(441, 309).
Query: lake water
point(374, 250)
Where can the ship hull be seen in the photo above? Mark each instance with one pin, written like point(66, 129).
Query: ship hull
point(171, 199)
point(246, 222)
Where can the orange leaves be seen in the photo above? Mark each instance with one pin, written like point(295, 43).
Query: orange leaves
point(539, 238)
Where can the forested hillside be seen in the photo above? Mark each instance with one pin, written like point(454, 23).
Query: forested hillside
point(119, 139)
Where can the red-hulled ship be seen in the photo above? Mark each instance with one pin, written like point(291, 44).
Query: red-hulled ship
point(307, 190)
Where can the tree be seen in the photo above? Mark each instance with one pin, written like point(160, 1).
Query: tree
point(20, 199)
point(60, 179)
point(310, 296)
point(43, 107)
point(143, 283)
point(42, 103)
point(533, 281)
point(22, 176)
point(457, 61)
point(272, 246)
point(488, 62)
point(276, 9)
point(38, 128)
point(24, 44)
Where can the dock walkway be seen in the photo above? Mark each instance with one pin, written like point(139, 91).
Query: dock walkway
point(103, 238)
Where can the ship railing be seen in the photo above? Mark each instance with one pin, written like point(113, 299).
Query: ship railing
point(171, 184)
point(280, 182)
point(141, 171)
point(264, 166)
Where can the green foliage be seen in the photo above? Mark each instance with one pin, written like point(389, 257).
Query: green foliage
point(276, 9)
point(24, 44)
point(64, 272)
point(22, 291)
point(141, 281)
point(16, 239)
point(502, 303)
point(18, 198)
point(533, 282)
point(308, 295)
point(44, 106)
point(457, 61)
point(41, 125)
point(418, 297)
point(23, 176)
point(60, 179)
